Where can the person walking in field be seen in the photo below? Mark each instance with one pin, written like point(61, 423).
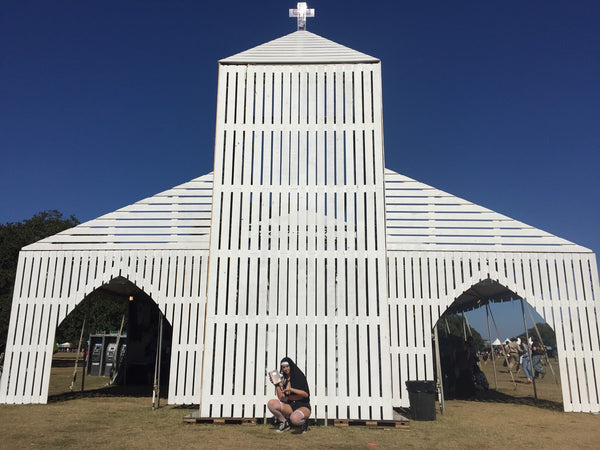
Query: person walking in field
point(513, 355)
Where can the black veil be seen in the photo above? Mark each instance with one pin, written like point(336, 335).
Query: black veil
point(297, 377)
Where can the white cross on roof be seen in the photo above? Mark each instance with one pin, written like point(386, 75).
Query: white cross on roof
point(302, 12)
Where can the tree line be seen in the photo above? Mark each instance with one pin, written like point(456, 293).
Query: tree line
point(105, 311)
point(13, 237)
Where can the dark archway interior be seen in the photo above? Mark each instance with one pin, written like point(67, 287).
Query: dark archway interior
point(462, 375)
point(458, 357)
point(142, 327)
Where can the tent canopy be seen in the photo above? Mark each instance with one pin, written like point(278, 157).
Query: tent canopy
point(480, 294)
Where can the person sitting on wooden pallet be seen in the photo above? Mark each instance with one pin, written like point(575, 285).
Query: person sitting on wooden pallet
point(292, 405)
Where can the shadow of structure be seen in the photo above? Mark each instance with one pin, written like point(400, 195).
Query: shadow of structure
point(142, 390)
point(493, 396)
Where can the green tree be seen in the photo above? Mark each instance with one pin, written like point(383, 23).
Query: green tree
point(546, 333)
point(105, 314)
point(455, 325)
point(13, 237)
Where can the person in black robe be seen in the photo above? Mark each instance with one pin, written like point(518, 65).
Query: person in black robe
point(292, 405)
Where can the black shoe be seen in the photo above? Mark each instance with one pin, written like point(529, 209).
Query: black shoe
point(284, 426)
point(304, 428)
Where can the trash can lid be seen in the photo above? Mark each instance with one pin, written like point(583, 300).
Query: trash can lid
point(420, 386)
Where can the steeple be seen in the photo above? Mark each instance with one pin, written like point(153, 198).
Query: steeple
point(297, 249)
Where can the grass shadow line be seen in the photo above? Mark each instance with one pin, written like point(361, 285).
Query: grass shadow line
point(136, 391)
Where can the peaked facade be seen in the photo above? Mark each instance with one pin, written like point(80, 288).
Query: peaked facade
point(300, 47)
point(300, 243)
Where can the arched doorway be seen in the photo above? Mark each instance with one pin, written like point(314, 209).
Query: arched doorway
point(124, 328)
point(489, 334)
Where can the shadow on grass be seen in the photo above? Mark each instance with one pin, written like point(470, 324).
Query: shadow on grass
point(107, 391)
point(493, 396)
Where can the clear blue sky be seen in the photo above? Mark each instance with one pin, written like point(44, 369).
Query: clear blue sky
point(104, 103)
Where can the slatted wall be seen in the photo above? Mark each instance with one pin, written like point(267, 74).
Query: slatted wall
point(563, 288)
point(298, 263)
point(421, 217)
point(50, 284)
point(297, 253)
point(175, 219)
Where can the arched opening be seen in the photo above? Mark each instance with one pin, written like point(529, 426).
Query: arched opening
point(119, 328)
point(490, 315)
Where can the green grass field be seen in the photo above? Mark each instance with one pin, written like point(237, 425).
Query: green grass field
point(107, 418)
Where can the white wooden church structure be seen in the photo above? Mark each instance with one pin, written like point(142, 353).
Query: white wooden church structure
point(301, 243)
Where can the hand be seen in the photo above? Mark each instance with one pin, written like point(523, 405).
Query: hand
point(287, 390)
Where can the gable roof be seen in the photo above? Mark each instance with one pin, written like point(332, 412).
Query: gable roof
point(178, 218)
point(421, 217)
point(299, 47)
point(418, 218)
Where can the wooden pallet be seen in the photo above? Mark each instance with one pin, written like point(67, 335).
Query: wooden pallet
point(399, 424)
point(220, 420)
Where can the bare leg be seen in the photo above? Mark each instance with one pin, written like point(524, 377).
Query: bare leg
point(300, 416)
point(280, 410)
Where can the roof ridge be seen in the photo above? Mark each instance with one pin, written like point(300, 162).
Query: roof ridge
point(299, 47)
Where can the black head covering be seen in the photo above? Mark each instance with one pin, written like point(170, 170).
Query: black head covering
point(297, 377)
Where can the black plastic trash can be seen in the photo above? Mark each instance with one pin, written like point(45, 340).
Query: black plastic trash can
point(421, 395)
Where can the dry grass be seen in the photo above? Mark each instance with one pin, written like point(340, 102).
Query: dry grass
point(106, 419)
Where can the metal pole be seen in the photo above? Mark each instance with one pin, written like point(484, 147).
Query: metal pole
point(116, 357)
point(85, 366)
point(156, 387)
point(528, 349)
point(160, 338)
point(503, 352)
point(543, 346)
point(77, 355)
point(487, 315)
point(439, 370)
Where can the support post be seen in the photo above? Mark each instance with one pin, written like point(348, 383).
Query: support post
point(487, 315)
point(117, 353)
point(77, 355)
point(528, 349)
point(86, 333)
point(503, 352)
point(156, 390)
point(543, 346)
point(439, 370)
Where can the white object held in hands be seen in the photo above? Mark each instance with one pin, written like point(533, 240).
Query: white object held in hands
point(275, 376)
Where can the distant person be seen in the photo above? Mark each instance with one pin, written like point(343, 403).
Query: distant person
point(513, 355)
point(481, 382)
point(466, 362)
point(537, 352)
point(292, 405)
point(526, 363)
point(472, 353)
